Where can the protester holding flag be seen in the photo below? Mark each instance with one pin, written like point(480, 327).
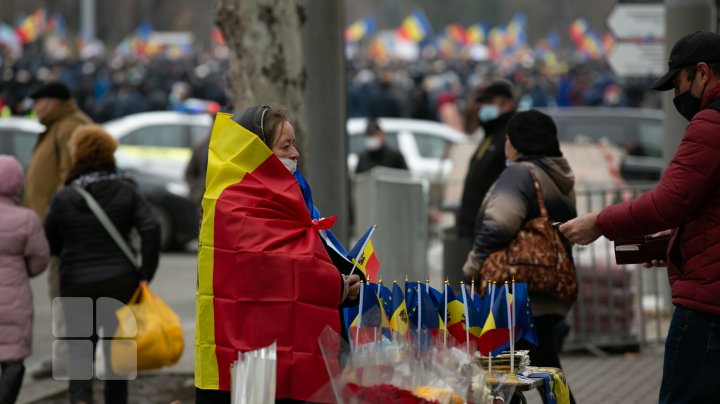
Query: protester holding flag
point(532, 147)
point(264, 274)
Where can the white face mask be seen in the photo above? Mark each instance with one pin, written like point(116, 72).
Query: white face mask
point(290, 164)
point(372, 143)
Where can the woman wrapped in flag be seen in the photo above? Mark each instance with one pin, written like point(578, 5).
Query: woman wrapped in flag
point(264, 273)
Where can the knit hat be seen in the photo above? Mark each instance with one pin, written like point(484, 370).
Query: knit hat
point(11, 174)
point(533, 133)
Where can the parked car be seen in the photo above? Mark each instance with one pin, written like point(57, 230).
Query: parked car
point(425, 145)
point(636, 132)
point(168, 196)
point(160, 142)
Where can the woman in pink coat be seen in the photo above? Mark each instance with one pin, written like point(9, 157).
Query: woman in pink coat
point(23, 254)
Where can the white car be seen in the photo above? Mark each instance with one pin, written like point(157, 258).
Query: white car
point(425, 145)
point(167, 195)
point(160, 142)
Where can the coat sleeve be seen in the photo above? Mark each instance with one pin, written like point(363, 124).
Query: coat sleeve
point(52, 227)
point(148, 227)
point(504, 211)
point(37, 252)
point(693, 172)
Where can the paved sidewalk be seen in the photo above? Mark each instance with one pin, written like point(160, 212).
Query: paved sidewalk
point(629, 378)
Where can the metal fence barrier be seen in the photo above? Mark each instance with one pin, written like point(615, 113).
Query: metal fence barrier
point(619, 306)
point(399, 205)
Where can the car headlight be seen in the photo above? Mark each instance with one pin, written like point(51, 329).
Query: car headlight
point(178, 188)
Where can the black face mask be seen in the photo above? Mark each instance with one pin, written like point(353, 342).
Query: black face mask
point(687, 104)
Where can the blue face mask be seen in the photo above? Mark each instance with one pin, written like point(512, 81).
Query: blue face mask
point(488, 113)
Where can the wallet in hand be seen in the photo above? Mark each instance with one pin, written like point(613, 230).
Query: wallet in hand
point(638, 250)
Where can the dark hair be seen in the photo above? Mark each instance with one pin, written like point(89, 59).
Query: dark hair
point(272, 124)
point(691, 70)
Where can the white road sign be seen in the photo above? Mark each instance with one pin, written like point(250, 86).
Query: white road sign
point(638, 59)
point(637, 21)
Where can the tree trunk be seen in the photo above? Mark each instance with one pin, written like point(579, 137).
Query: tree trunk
point(266, 58)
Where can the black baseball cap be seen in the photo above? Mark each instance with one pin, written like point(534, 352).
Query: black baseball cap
point(53, 89)
point(498, 88)
point(690, 50)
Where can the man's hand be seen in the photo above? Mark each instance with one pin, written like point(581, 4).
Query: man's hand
point(658, 263)
point(655, 264)
point(582, 230)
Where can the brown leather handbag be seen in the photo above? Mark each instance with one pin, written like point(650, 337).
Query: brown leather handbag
point(536, 256)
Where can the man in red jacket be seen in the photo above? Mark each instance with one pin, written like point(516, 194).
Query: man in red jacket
point(687, 200)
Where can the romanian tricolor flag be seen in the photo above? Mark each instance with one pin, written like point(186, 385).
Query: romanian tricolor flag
point(32, 26)
point(477, 33)
point(577, 29)
point(608, 41)
point(457, 33)
point(591, 45)
point(360, 29)
point(364, 254)
point(473, 319)
point(415, 27)
point(453, 314)
point(263, 273)
point(495, 335)
point(371, 316)
point(399, 315)
point(496, 41)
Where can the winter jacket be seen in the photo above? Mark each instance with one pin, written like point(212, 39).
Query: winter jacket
point(50, 162)
point(23, 254)
point(487, 163)
point(512, 201)
point(88, 254)
point(687, 199)
point(384, 157)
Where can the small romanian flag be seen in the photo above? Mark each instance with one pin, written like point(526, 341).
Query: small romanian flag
point(364, 254)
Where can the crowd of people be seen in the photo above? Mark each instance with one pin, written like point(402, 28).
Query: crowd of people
point(112, 86)
point(267, 217)
point(446, 90)
point(106, 88)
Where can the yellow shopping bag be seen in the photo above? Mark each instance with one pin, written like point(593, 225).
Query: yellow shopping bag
point(148, 324)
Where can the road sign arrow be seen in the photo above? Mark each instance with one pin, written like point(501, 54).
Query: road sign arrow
point(637, 21)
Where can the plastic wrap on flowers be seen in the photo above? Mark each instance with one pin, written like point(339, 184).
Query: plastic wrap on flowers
point(254, 376)
point(390, 368)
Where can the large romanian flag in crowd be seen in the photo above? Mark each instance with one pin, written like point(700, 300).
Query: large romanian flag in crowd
point(263, 273)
